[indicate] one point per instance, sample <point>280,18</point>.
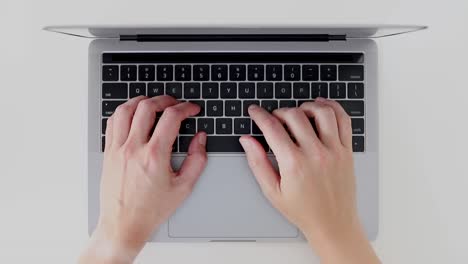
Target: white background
<point>423,122</point>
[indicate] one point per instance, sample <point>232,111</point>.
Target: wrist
<point>346,245</point>
<point>104,249</point>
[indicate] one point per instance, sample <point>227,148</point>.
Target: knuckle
<point>122,109</point>
<point>172,112</point>
<point>327,110</point>
<point>146,105</point>
<point>306,105</point>
<point>295,111</point>
<point>128,150</point>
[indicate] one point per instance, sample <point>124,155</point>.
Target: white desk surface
<point>423,103</point>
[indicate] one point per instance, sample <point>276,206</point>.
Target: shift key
<point>353,108</point>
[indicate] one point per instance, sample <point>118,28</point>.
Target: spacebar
<point>227,144</point>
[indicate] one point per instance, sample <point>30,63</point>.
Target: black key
<point>262,142</point>
<point>137,89</point>
<point>314,126</point>
<point>201,72</point>
<point>191,90</point>
<point>355,90</point>
<point>274,72</point>
<point>174,146</point>
<point>269,105</point>
<point>165,72</point>
<point>301,90</point>
<point>224,126</point>
<point>227,144</point>
<point>242,126</point>
<point>255,129</point>
<point>220,144</point>
<point>300,102</point>
<point>184,143</point>
<point>265,90</point>
<point>214,108</point>
<point>110,73</point>
<point>283,90</point>
<point>146,73</point>
<point>108,107</point>
<point>205,124</point>
<point>187,127</point>
<point>114,90</point>
<point>201,103</point>
<point>351,72</point>
<point>328,72</point>
<point>358,144</point>
<point>287,103</point>
<point>353,108</point>
<point>319,90</point>
<point>183,73</point>
<point>174,90</point>
<point>155,89</point>
<point>219,72</point>
<point>232,108</point>
<point>237,72</point>
<point>128,72</point>
<point>103,125</point>
<point>338,90</point>
<point>247,90</point>
<point>210,90</point>
<point>310,72</point>
<point>229,90</point>
<point>103,143</point>
<point>256,72</point>
<point>358,125</point>
<point>246,105</point>
<point>292,72</point>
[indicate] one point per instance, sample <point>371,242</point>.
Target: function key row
<point>234,72</point>
<point>242,90</point>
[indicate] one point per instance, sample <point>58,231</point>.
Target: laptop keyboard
<point>224,85</point>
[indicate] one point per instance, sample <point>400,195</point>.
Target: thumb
<point>195,162</point>
<point>261,166</point>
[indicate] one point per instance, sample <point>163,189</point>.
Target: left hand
<point>139,189</point>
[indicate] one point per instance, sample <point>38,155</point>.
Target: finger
<point>145,116</point>
<point>195,162</point>
<point>325,120</point>
<point>169,124</point>
<point>123,119</point>
<point>109,128</point>
<point>275,134</point>
<point>261,166</point>
<point>344,122</point>
<point>298,124</point>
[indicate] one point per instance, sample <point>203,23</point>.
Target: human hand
<point>139,189</point>
<point>315,186</point>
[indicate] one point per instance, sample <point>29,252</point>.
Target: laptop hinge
<point>234,38</point>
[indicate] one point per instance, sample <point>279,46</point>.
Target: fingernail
<point>202,139</point>
<point>320,99</point>
<point>253,107</point>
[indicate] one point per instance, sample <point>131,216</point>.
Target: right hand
<point>315,186</point>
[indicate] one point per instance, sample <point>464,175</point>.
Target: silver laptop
<point>224,70</point>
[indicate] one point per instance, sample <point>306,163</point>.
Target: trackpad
<point>227,203</point>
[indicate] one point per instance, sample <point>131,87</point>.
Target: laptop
<point>224,70</point>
